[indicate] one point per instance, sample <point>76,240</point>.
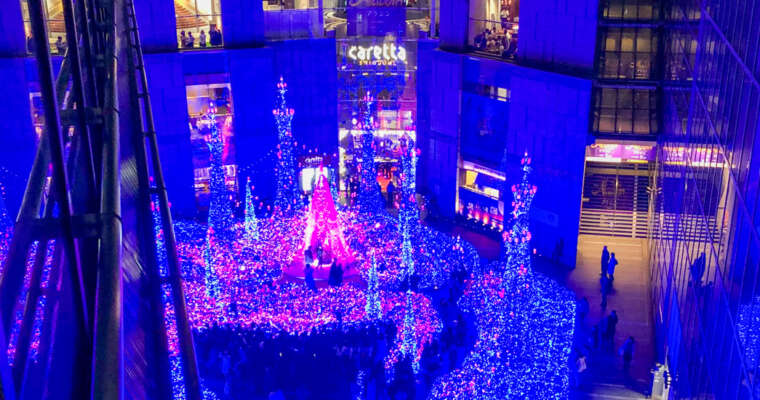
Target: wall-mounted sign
<point>376,3</point>
<point>387,54</point>
<point>612,152</point>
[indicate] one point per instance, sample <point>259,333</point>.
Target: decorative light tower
<point>368,198</point>
<point>219,211</point>
<point>373,307</point>
<point>251,223</point>
<point>288,196</point>
<point>408,212</point>
<point>517,239</point>
<point>409,344</point>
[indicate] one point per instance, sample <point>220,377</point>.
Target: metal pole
<point>60,178</point>
<point>13,273</point>
<point>107,381</point>
<point>185,336</point>
<point>78,89</point>
<point>148,247</point>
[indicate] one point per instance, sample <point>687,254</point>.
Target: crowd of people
<point>499,40</point>
<point>188,41</point>
<point>59,45</point>
<point>336,361</point>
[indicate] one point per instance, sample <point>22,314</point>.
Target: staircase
<point>615,200</point>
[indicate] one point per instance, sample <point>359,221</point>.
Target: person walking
<point>611,267</point>
<point>605,261</point>
<point>626,351</point>
<point>612,321</point>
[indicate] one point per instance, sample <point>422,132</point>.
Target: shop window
<point>199,23</point>
<point>480,195</point>
<point>628,53</point>
<point>279,5</point>
<point>53,12</point>
<point>494,26</point>
<point>199,99</point>
<point>625,111</point>
<point>638,10</point>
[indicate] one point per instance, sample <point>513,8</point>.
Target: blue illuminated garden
<point>314,297</point>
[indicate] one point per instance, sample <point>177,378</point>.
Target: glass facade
<point>199,23</point>
<point>627,69</point>
<point>705,246</point>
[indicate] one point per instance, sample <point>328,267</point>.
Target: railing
<point>496,37</point>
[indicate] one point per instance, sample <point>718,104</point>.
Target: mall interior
<point>380,199</point>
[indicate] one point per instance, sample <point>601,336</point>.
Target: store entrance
<point>615,199</point>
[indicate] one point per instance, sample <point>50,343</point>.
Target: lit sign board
<point>387,54</point>
<point>376,3</point>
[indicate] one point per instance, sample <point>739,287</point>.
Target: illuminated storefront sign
<point>387,54</point>
<point>376,3</point>
<point>612,152</point>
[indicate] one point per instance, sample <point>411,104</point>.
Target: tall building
<point>704,235</point>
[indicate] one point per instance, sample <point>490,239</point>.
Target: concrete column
<point>453,25</point>
<point>439,157</point>
<point>158,25</point>
<point>242,23</point>
<point>169,100</point>
<point>12,37</point>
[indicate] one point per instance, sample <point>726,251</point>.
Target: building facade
<point>705,251</point>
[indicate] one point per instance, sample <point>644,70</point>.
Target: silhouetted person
<point>308,273</point>
<point>183,39</point>
<point>605,260</point>
<point>583,308</point>
<point>558,249</point>
<point>611,267</point>
<point>391,189</point>
<point>612,321</point>
<point>30,47</point>
<point>626,351</point>
<point>202,39</point>
<point>190,40</point>
<point>698,269</point>
<point>60,46</point>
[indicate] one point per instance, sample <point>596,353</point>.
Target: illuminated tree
<point>288,196</point>
<point>408,212</point>
<point>525,323</point>
<point>517,239</point>
<point>5,220</point>
<point>251,223</point>
<point>368,198</point>
<point>748,330</point>
<point>220,210</point>
<point>373,307</point>
<point>409,344</point>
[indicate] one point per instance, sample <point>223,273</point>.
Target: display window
<point>56,28</point>
<point>479,195</point>
<point>199,23</point>
<point>494,26</point>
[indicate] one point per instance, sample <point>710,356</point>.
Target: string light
<point>288,196</point>
<point>251,223</point>
<point>525,323</point>
<point>368,198</point>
